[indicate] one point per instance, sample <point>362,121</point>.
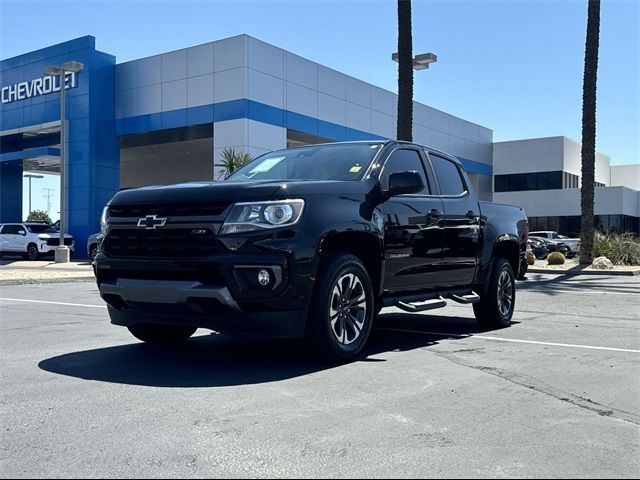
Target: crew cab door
<point>413,226</point>
<point>462,223</point>
<point>11,239</point>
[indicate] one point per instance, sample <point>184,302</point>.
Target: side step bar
<point>421,306</point>
<point>472,297</point>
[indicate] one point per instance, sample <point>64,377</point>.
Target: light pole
<point>62,254</point>
<point>30,176</point>
<point>420,62</point>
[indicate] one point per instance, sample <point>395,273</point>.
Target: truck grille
<point>165,243</point>
<point>54,242</point>
<point>183,210</point>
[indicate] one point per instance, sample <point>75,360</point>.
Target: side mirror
<point>22,232</point>
<point>404,182</point>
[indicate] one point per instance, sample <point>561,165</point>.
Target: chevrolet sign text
<point>37,86</point>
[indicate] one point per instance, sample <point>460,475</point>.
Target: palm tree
<point>589,132</point>
<point>405,72</point>
<point>232,161</point>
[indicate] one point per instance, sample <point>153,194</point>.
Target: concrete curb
<point>36,281</point>
<point>572,272</point>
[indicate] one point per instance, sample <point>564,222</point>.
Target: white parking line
<point>51,303</point>
<point>484,337</point>
<point>511,340</point>
<point>575,291</point>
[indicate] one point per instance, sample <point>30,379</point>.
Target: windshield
<point>41,229</point>
<point>340,161</point>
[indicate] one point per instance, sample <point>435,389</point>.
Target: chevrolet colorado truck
<point>309,242</point>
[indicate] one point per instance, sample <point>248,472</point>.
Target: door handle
<point>434,213</point>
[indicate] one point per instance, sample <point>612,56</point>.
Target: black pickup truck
<point>309,242</point>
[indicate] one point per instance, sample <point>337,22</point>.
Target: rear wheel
<point>496,307</point>
<point>32,252</point>
<point>161,334</point>
<point>93,251</point>
<point>342,308</point>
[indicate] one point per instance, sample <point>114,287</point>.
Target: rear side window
<point>11,229</point>
<point>404,160</point>
<point>449,177</point>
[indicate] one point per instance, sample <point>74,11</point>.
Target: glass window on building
<point>518,182</point>
<point>164,157</point>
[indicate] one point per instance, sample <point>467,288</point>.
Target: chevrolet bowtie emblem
<point>151,222</point>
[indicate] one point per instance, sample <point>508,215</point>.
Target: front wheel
<point>497,305</point>
<point>32,252</point>
<point>161,334</point>
<point>342,308</point>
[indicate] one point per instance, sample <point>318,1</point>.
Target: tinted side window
<point>404,161</point>
<point>11,229</point>
<point>448,176</point>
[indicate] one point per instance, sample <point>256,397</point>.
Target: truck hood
<point>230,192</point>
<point>205,192</point>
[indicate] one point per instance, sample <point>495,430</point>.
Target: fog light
<point>263,278</point>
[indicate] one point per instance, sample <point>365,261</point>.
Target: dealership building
<point>168,118</point>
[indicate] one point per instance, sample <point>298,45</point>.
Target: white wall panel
<point>149,71</point>
<point>230,53</point>
<point>149,99</point>
<point>265,58</point>
<point>265,88</point>
<point>358,117</point>
<point>174,95</point>
<point>200,60</point>
<point>127,103</point>
<point>358,92</point>
<point>382,100</point>
<point>200,90</point>
<point>302,100</point>
<point>301,71</point>
<point>332,82</point>
<point>174,65</point>
<point>126,76</point>
<point>383,124</point>
<point>229,85</point>
<point>265,136</point>
<point>332,109</point>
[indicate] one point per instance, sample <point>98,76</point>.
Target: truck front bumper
<point>221,293</point>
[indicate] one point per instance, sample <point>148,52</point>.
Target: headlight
<point>103,221</point>
<point>251,216</point>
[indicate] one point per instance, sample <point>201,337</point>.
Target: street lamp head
<point>72,66</point>
<point>51,70</point>
<point>420,62</point>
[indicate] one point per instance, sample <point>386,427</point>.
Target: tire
<point>93,251</point>
<point>496,307</point>
<point>161,334</point>
<point>338,326</point>
<point>32,252</point>
<point>524,266</point>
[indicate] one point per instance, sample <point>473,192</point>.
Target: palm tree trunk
<point>589,132</point>
<point>405,72</point>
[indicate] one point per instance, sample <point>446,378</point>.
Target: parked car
<point>31,239</point>
<point>553,246</point>
<point>538,248</point>
<point>309,242</point>
<point>92,246</point>
<point>573,244</point>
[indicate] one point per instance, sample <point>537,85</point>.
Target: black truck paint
<point>164,268</point>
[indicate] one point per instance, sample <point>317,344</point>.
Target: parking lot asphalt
<point>555,395</point>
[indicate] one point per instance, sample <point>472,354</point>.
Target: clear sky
<point>513,66</point>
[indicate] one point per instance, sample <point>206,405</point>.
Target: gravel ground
<point>43,271</point>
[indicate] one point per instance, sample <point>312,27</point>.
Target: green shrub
<point>39,216</point>
<point>621,249</point>
<point>531,258</point>
<point>555,258</point>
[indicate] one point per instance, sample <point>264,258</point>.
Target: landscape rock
<point>602,263</point>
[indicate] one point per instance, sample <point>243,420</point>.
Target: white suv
<point>31,239</point>
<point>572,243</point>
